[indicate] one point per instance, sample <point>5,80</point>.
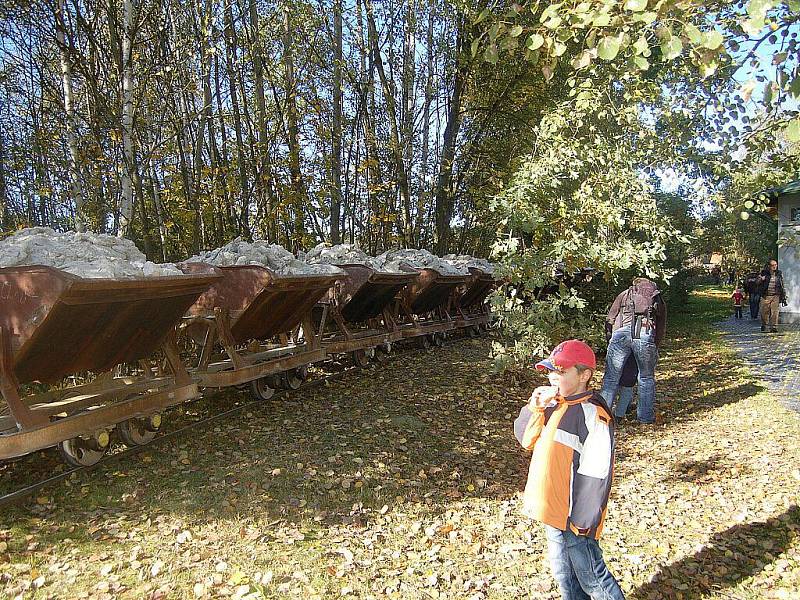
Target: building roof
<point>773,194</point>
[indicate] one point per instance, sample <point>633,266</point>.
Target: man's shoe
<point>763,328</point>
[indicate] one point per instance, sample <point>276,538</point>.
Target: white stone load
<point>340,254</point>
<point>465,260</point>
<point>261,253</point>
<point>393,260</point>
<point>89,255</point>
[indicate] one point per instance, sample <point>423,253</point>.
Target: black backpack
<point>641,305</point>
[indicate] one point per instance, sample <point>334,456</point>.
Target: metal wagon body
<point>470,302</point>
<point>54,324</point>
<point>425,306</point>
<point>360,308</point>
<point>252,324</point>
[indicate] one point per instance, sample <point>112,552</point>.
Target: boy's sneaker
<point>774,330</point>
<point>763,328</point>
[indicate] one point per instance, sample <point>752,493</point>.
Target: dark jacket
<point>780,290</point>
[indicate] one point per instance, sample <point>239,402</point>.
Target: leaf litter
<point>403,482</point>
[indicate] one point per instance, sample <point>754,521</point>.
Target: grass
<point>403,482</point>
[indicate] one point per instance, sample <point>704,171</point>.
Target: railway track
<point>28,490</point>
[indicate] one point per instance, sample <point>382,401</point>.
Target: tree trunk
<point>423,191</point>
<point>76,186</point>
<point>409,69</point>
<point>205,113</point>
<point>244,187</point>
<point>388,92</point>
<point>444,189</point>
<point>297,186</point>
<point>128,152</point>
<point>162,227</point>
<point>5,213</point>
<point>336,137</point>
<point>264,179</point>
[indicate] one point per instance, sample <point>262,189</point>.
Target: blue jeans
<point>624,400</point>
<point>578,567</point>
<point>646,355</point>
<point>755,302</point>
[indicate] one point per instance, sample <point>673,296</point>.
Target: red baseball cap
<point>568,354</point>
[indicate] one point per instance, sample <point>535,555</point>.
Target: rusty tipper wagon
<point>426,304</point>
<point>255,326</point>
<point>360,307</point>
<point>54,324</point>
<point>470,301</point>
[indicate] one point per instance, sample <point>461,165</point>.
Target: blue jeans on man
<point>646,354</point>
<point>578,567</point>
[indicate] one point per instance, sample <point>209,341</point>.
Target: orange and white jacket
<point>569,479</point>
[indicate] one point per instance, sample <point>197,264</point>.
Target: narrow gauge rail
<point>28,490</point>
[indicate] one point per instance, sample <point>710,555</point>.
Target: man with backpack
<point>637,320</point>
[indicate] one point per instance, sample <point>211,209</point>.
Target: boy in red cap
<point>571,432</point>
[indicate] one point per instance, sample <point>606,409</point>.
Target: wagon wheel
<point>424,342</point>
<point>382,352</point>
<point>474,331</point>
<point>438,339</point>
<point>362,357</point>
<point>262,389</point>
<point>294,378</point>
<point>84,451</point>
<point>139,431</point>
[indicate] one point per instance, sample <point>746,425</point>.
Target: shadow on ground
<point>730,557</point>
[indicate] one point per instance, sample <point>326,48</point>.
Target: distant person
<point>738,297</point>
<point>637,320</point>
<point>570,429</point>
<point>772,292</point>
<point>752,286</point>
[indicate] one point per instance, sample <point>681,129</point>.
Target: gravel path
<point>773,357</point>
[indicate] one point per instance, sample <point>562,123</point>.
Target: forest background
<point>578,143</point>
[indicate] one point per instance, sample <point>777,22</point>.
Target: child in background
<point>738,296</point>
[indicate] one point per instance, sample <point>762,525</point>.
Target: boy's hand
<point>542,395</point>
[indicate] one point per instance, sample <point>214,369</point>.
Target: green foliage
<point>578,204</point>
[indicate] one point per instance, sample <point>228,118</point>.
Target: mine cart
<point>470,301</point>
<point>254,327</point>
<point>425,306</point>
<point>358,312</point>
<point>101,332</point>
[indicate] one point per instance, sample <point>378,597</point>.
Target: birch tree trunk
<point>409,64</point>
<point>423,191</point>
<point>126,202</point>
<point>336,135</point>
<point>76,186</point>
